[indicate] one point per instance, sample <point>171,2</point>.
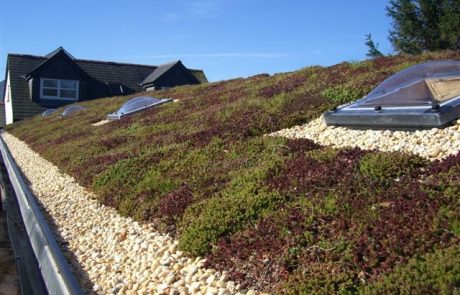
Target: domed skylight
<point>48,112</point>
<point>137,104</point>
<point>421,84</point>
<point>72,109</point>
<point>422,96</point>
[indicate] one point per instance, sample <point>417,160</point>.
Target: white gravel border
<point>112,254</point>
<point>431,144</point>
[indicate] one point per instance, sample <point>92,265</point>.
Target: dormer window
<point>59,89</point>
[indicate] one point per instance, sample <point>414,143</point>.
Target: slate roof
<point>129,75</point>
<point>58,53</point>
<point>164,68</point>
<point>199,74</point>
<point>159,71</point>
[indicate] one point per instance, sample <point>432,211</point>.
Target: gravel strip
<point>111,253</point>
<point>431,144</point>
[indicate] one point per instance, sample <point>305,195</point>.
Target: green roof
<point>285,215</point>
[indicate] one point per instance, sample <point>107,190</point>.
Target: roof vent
<point>72,109</point>
<point>48,112</point>
<point>137,104</point>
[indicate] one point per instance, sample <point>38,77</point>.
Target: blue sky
<point>226,38</point>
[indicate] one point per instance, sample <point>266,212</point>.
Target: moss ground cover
<point>287,216</point>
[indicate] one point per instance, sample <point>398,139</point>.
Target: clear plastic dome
<point>137,104</point>
<point>423,84</point>
<point>72,109</point>
<point>48,112</point>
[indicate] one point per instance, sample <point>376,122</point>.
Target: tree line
<point>421,25</point>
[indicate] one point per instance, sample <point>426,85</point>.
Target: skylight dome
<point>135,105</point>
<point>48,112</point>
<point>422,96</point>
<point>72,109</point>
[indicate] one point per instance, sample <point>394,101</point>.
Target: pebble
<point>210,279</point>
<point>100,123</point>
<point>430,143</point>
<point>110,253</point>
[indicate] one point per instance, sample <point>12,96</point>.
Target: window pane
<point>49,92</point>
<point>68,93</point>
<point>72,84</point>
<point>50,83</point>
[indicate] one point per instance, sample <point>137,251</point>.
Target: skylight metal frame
<point>396,118</point>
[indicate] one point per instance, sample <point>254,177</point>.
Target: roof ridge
<point>105,62</point>
<point>170,63</point>
<point>114,62</point>
<point>26,55</point>
<point>84,60</point>
<point>160,71</point>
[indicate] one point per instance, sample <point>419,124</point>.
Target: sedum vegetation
<point>286,216</point>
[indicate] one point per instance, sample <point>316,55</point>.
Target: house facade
<point>35,83</point>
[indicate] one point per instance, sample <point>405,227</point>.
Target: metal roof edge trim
<point>55,270</point>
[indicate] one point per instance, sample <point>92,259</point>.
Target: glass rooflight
<point>137,104</point>
<point>422,96</point>
<point>422,84</point>
<point>48,112</point>
<point>72,109</point>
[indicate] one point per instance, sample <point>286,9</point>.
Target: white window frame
<point>58,88</point>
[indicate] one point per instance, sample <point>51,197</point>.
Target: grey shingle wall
<point>19,66</point>
<point>2,115</point>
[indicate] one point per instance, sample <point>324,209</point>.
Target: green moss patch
<point>384,166</point>
<point>433,273</point>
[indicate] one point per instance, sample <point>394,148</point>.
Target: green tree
<point>372,52</point>
<point>420,25</point>
<point>449,22</point>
